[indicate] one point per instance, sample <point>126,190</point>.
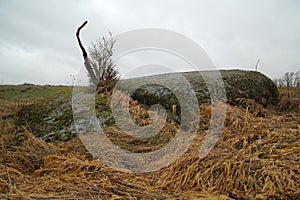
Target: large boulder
<point>237,84</point>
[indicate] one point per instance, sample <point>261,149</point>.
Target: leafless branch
<point>85,56</point>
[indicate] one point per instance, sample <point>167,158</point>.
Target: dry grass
<point>257,157</point>
<point>289,99</point>
<point>254,156</point>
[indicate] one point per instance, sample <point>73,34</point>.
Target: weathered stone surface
<point>237,84</point>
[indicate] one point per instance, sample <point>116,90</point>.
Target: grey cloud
<point>38,41</point>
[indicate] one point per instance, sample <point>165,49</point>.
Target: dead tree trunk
<point>85,56</point>
<point>257,64</point>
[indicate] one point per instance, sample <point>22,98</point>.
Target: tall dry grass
<point>257,157</point>
<point>289,99</point>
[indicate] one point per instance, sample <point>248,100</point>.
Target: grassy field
<point>257,156</point>
<point>17,92</point>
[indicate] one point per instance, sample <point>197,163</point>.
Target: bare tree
<point>287,79</point>
<point>102,72</point>
<point>290,79</point>
<point>101,60</point>
<point>296,81</point>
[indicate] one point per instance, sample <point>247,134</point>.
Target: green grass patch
<point>16,92</point>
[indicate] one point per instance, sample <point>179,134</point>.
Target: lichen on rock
<point>237,84</point>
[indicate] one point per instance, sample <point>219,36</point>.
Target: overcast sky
<point>38,44</point>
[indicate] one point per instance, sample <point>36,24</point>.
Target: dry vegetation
<point>290,99</point>
<point>257,157</point>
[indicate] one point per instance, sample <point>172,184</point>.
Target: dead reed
<point>257,157</point>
